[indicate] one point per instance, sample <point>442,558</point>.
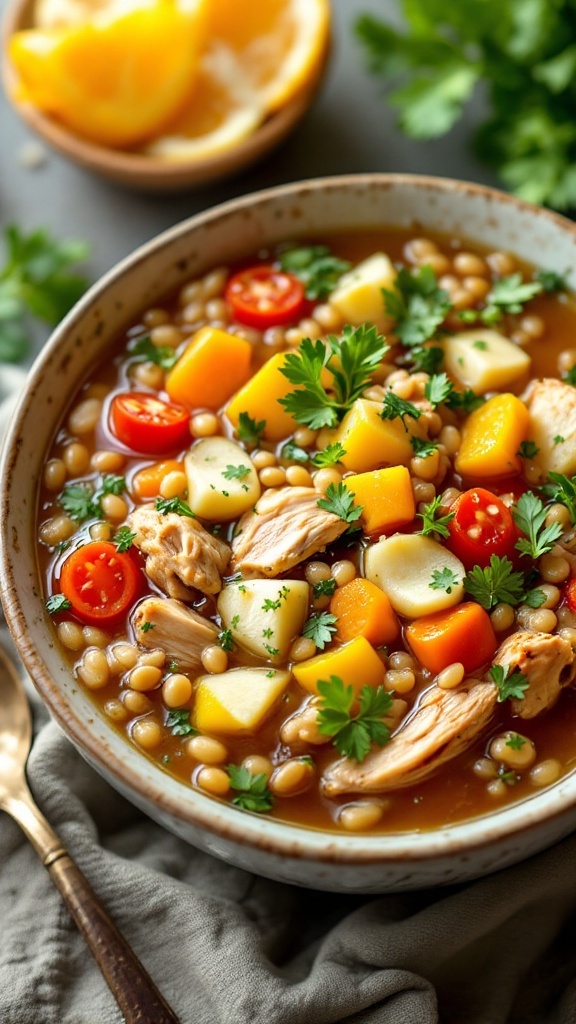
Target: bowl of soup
<point>288,514</point>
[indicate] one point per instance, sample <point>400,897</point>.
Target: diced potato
<point>222,482</point>
<point>386,496</point>
<point>358,297</point>
<point>491,437</point>
<point>237,701</point>
<point>404,566</point>
<point>370,441</point>
<point>484,360</point>
<point>552,408</point>
<point>356,663</point>
<point>265,616</point>
<point>259,398</point>
<point>211,368</point>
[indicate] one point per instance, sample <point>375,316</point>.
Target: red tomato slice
<point>263,296</point>
<point>100,582</point>
<point>482,526</point>
<point>570,592</point>
<point>147,424</point>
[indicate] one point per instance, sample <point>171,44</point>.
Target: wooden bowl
<point>136,170</point>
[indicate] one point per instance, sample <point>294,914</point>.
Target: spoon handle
<point>130,984</point>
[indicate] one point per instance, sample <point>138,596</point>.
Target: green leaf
<point>428,359</point>
<point>252,790</point>
<point>562,489</point>
<point>515,741</point>
<point>178,721</point>
<point>465,401</point>
<point>330,455</point>
<point>417,304</point>
<point>57,603</point>
<point>552,281</point>
<point>167,505</point>
<point>529,515</point>
<point>508,295</point>
<point>293,451</point>
<point>528,450</point>
<point>161,355</point>
<point>394,407</point>
<point>112,485</point>
<point>422,448</point>
<point>324,588</point>
<point>80,503</point>
<point>316,267</point>
<point>437,389</point>
<point>353,735</point>
<point>444,579</point>
<point>340,501</point>
<point>432,523</point>
<point>496,583</point>
<point>236,472</point>
<point>249,430</point>
<point>124,538</point>
<point>510,686</point>
<point>320,628</point>
<point>430,107</point>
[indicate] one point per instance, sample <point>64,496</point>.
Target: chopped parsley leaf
<point>433,524</point>
<point>250,431</point>
<point>252,790</point>
<point>293,451</point>
<point>551,281</point>
<point>80,503</point>
<point>417,304</point>
<point>528,450</point>
<point>464,401</point>
<point>225,640</point>
<point>563,490</point>
<point>178,721</point>
<point>558,439</point>
<point>394,406</point>
<point>500,583</point>
<point>422,448</point>
<point>316,267</point>
<point>508,685</point>
<point>437,389</point>
<point>320,628</point>
<point>529,515</point>
<point>515,741</point>
<point>145,627</point>
<point>329,455</point>
<point>124,538</point>
<point>428,359</point>
<point>340,501</point>
<point>235,472</point>
<point>324,588</point>
<point>57,603</point>
<point>181,508</point>
<point>161,355</point>
<point>352,735</point>
<point>444,579</point>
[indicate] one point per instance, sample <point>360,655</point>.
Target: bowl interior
<point>139,170</point>
<point>299,211</point>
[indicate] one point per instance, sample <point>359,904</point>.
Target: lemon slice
<point>258,56</point>
<point>118,77</point>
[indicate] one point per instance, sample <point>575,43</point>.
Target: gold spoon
<point>131,985</point>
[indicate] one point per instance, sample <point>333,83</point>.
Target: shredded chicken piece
<point>548,661</point>
<point>180,553</point>
<point>179,631</point>
<point>285,528</point>
<point>445,723</point>
<point>552,408</point>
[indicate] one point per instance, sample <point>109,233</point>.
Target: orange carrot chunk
<point>146,482</point>
<point>463,634</point>
<point>362,609</point>
<point>212,367</point>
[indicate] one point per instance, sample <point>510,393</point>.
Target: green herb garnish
<point>394,407</point>
<point>161,355</point>
<point>444,579</point>
<point>320,628</point>
<point>250,431</point>
<point>330,455</point>
<point>252,790</point>
<point>432,523</point>
<point>316,267</point>
<point>167,505</point>
<point>353,735</point>
<point>438,388</point>
<point>225,640</point>
<point>57,603</point>
<point>178,721</point>
<point>80,503</point>
<point>563,490</point>
<point>417,304</point>
<point>124,538</point>
<point>324,588</point>
<point>500,583</point>
<point>529,515</point>
<point>236,472</point>
<point>528,450</point>
<point>340,501</point>
<point>510,686</point>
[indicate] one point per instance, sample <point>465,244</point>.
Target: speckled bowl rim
<point>191,807</point>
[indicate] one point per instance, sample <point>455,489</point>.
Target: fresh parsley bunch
<point>524,53</point>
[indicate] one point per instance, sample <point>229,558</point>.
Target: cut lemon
<point>258,56</point>
<point>117,78</point>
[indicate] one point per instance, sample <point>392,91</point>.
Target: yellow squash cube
<point>491,437</point>
<point>259,398</point>
<point>237,701</point>
<point>386,496</point>
<point>356,663</point>
<point>370,441</point>
<point>211,368</point>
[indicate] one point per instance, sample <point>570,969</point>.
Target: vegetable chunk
<point>484,359</point>
<point>370,441</point>
<point>386,498</point>
<point>461,634</point>
<point>552,409</point>
<point>363,609</point>
<point>356,664</point>
<point>211,368</point>
<point>491,438</point>
<point>264,616</point>
<point>222,481</point>
<point>358,297</point>
<point>418,574</point>
<point>237,701</point>
<point>259,398</point>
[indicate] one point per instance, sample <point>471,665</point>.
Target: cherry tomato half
<point>100,582</point>
<point>147,424</point>
<point>482,526</point>
<point>263,296</point>
<point>570,592</point>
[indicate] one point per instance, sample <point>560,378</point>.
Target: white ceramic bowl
<point>339,862</point>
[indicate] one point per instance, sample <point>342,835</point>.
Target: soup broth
<point>374,625</point>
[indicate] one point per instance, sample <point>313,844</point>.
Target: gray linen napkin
<point>226,947</point>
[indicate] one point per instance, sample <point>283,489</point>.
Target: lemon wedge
<point>117,77</point>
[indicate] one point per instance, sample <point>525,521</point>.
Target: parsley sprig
<point>161,355</point>
<point>329,455</point>
<point>417,304</point>
<point>57,603</point>
<point>431,523</point>
<point>178,721</point>
<point>250,430</point>
<point>36,280</point>
<point>444,579</point>
<point>124,538</point>
<point>316,267</point>
<point>509,684</point>
<point>500,583</point>
<point>177,505</point>
<point>235,472</point>
<point>320,628</point>
<point>394,407</point>
<point>563,490</point>
<point>353,734</point>
<point>350,360</point>
<point>340,501</point>
<point>252,793</point>
<point>508,295</point>
<point>529,514</point>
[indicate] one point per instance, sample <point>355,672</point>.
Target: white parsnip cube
<point>358,297</point>
<point>222,481</point>
<point>237,701</point>
<point>484,360</point>
<point>265,616</point>
<point>406,567</point>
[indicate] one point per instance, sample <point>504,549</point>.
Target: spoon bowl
<point>131,985</point>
